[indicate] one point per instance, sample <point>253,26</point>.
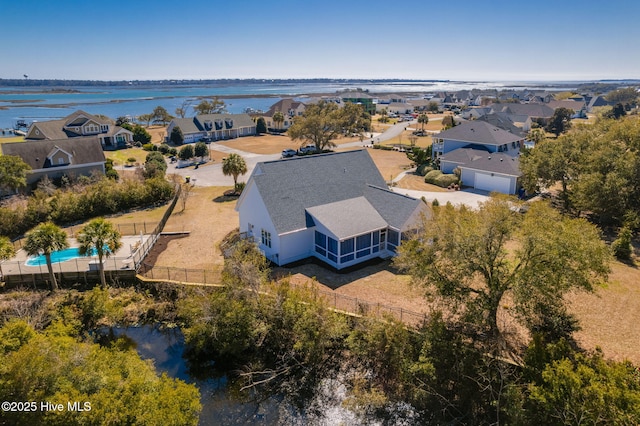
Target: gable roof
<point>505,122</point>
<point>291,188</point>
<point>479,132</point>
<point>495,162</point>
<point>283,105</point>
<point>348,218</point>
<point>82,150</point>
<point>532,110</point>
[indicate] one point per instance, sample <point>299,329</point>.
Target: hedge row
<point>81,202</point>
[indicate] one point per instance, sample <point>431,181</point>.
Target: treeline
<point>274,339</point>
<point>86,198</point>
<point>597,169</point>
<point>51,350</point>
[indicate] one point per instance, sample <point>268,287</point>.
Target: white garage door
<point>492,183</point>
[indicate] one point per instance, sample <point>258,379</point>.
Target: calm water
<point>166,346</point>
<point>31,104</point>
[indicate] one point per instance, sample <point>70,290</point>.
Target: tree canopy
<point>213,106</point>
<point>324,121</point>
<point>120,387</point>
<point>597,166</point>
<point>186,152</point>
<point>560,122</point>
<point>463,256</point>
<point>13,172</point>
<point>176,137</point>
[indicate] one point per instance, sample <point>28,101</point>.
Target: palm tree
<point>101,237</point>
<point>234,165</point>
<point>278,118</point>
<point>423,119</point>
<point>46,238</point>
<point>7,251</point>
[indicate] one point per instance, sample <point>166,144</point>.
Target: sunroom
<point>350,232</point>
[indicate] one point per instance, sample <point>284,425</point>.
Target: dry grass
<point>412,181</point>
<point>609,317</point>
<point>265,144</point>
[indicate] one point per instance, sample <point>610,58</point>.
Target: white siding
<point>296,245</point>
<point>253,211</point>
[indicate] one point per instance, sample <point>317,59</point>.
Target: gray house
<point>80,156</point>
<point>334,207</point>
<point>213,127</point>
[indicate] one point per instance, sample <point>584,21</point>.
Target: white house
<point>290,109</point>
<point>335,207</point>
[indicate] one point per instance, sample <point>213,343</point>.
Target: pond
<point>166,347</point>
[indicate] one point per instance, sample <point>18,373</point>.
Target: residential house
<point>579,107</point>
<point>335,207</point>
<point>540,113</point>
<point>484,170</point>
<point>81,124</point>
<point>79,156</point>
<point>478,136</point>
<point>518,125</point>
<point>361,98</point>
<point>290,108</point>
<point>213,127</point>
<point>399,108</point>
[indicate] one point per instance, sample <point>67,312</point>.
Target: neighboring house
<point>596,101</point>
<point>484,170</point>
<point>80,124</point>
<point>540,113</point>
<point>579,108</point>
<point>82,156</point>
<point>459,145</point>
<point>474,113</point>
<point>290,108</point>
<point>518,125</point>
<point>360,98</point>
<point>335,207</point>
<point>213,127</point>
<point>396,108</point>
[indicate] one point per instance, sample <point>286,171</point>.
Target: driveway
<point>468,197</point>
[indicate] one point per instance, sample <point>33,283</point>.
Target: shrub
<point>150,147</point>
<point>445,180</point>
<point>431,176</point>
<point>164,148</point>
<point>622,248</point>
<point>423,169</point>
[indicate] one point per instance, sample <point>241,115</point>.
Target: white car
<point>288,153</point>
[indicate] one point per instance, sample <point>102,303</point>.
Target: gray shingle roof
<point>84,150</point>
<point>348,218</point>
<point>479,132</point>
<point>291,187</point>
<point>495,162</point>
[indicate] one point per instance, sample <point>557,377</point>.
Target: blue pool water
<point>56,257</point>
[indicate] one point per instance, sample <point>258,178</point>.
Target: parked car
<point>288,153</point>
<point>309,149</point>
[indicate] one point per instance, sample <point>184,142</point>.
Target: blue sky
<point>200,39</point>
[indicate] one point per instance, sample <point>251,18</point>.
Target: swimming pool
<point>56,257</point>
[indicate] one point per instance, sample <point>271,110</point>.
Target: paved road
<point>210,174</point>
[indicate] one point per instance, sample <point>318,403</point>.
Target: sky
<point>480,40</point>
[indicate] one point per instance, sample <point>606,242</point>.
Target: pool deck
<point>123,259</point>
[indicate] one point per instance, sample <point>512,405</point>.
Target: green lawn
<point>121,156</point>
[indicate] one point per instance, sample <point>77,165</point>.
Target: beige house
<point>81,124</point>
<point>290,108</point>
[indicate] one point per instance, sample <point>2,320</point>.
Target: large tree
<point>13,172</point>
<point>560,122</point>
<point>234,165</point>
<point>261,126</point>
<point>176,137</point>
<point>46,238</point>
<point>212,106</point>
<point>320,123</point>
<point>161,115</point>
<point>101,238</point>
<point>181,111</point>
<point>473,259</point>
<point>355,120</point>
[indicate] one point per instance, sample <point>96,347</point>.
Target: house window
<point>266,238</point>
<point>60,161</point>
<point>393,240</point>
<point>332,246</point>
